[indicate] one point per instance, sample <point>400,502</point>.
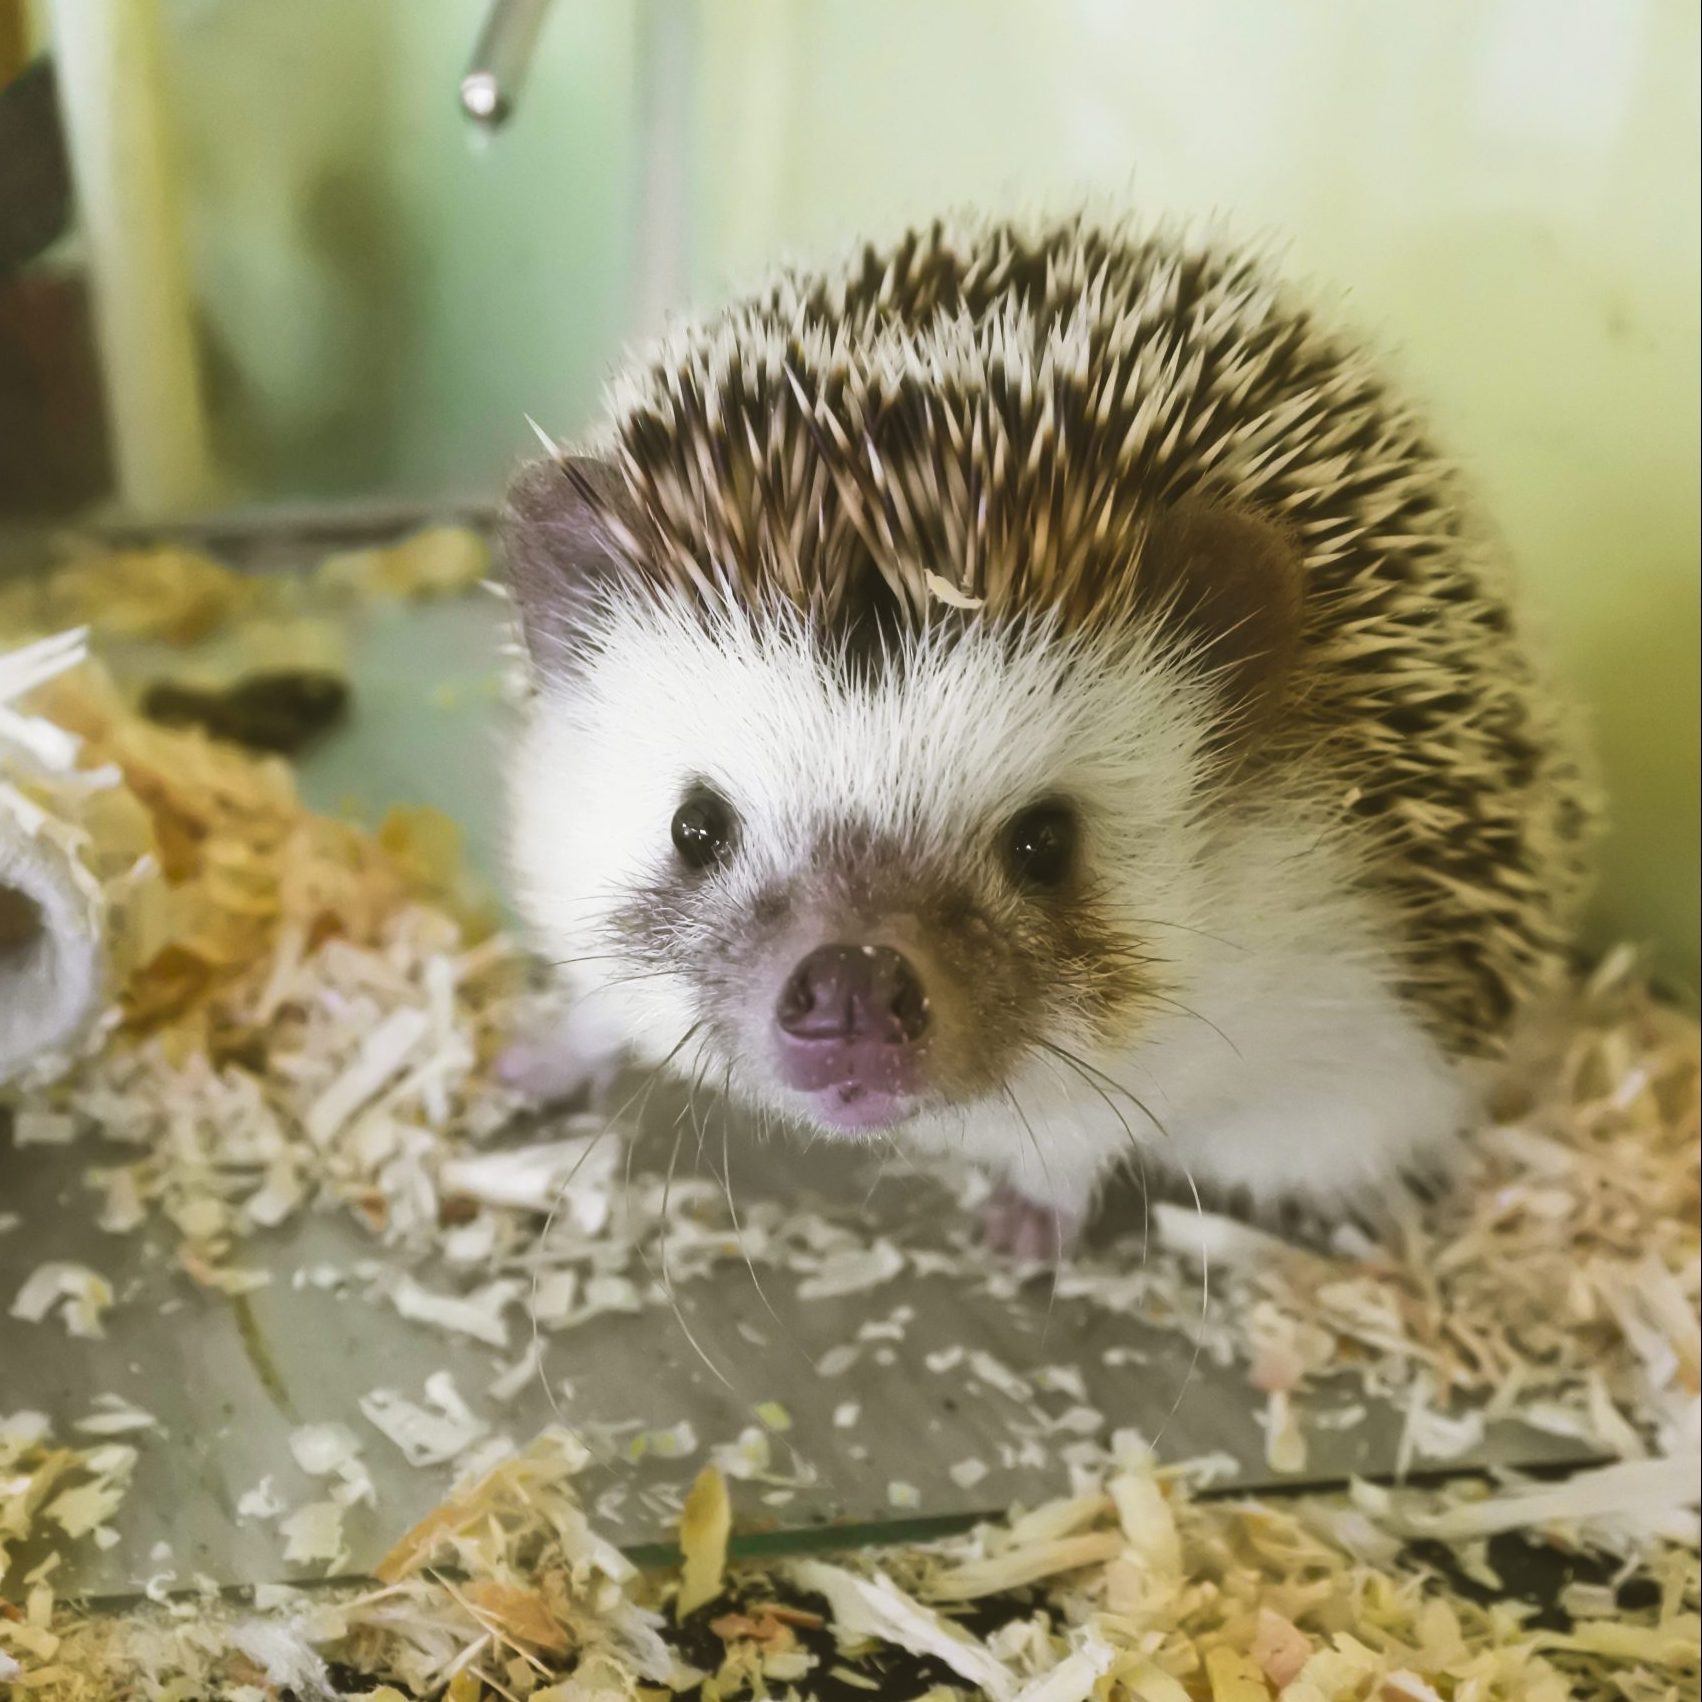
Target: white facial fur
<point>1274,1052</point>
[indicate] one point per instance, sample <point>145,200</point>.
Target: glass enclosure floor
<point>872,1403</point>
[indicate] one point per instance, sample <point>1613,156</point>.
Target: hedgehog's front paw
<point>1025,1230</point>
<point>572,1056</point>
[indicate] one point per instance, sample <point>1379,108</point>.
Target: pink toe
<point>1025,1230</point>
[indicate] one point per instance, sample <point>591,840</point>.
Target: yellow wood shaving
<point>706,1522</point>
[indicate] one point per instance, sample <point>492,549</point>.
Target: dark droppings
<point>278,711</point>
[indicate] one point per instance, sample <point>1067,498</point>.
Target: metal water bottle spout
<point>491,84</point>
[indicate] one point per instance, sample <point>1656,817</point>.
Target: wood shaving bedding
<point>309,1015</point>
<point>1151,1596</point>
<point>309,1011</point>
<point>1557,1282</point>
<point>52,1495</point>
<point>182,596</point>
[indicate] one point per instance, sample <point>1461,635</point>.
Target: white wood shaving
<point>333,1450</point>
<point>942,590</point>
<point>877,1607</point>
<point>553,1297</point>
<point>1659,1497</point>
<point>80,1296</point>
<point>1075,1677</point>
<point>519,1376</point>
<point>1428,1433</point>
<point>672,1442</point>
<point>1285,1441</point>
<point>572,1177</point>
<point>430,1434</point>
<point>966,1473</point>
<point>262,1501</point>
<point>748,1457</point>
<point>997,1375</point>
<point>481,1314</point>
<point>115,1416</point>
<point>313,1536</point>
<point>43,1128</point>
<point>81,1510</point>
<point>382,1054</point>
<point>1077,1421</point>
<point>1062,1379</point>
<point>838,1360</point>
<point>852,1271</point>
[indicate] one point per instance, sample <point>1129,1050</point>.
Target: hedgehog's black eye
<point>704,828</point>
<point>1040,846</point>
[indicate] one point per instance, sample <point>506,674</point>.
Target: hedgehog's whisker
<point>1088,1072</point>
<point>1205,1306</point>
<point>1188,1010</point>
<point>602,895</point>
<point>1093,1071</point>
<point>1185,928</point>
<point>642,1094</point>
<point>699,1125</point>
<point>892,1150</point>
<point>874,1183</point>
<point>632,977</point>
<point>1135,1147</point>
<point>1057,1222</point>
<point>662,1254</point>
<point>1199,1209</point>
<point>739,1233</point>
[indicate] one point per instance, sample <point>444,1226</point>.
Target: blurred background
<point>294,269</point>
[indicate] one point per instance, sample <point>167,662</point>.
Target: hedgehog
<point>1036,696</point>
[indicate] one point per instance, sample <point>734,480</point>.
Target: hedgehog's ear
<point>559,530</point>
<point>1231,581</point>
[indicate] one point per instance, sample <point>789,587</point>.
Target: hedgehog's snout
<point>852,1027</point>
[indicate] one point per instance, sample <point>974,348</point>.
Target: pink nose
<point>851,1026</point>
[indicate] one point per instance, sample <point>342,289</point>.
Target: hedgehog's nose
<point>851,994</point>
<point>851,1030</point>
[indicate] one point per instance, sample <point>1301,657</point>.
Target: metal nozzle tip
<point>482,98</point>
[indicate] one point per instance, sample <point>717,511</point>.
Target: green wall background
<point>1506,190</point>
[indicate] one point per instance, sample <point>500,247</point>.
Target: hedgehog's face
<point>858,895</point>
<point>865,888</point>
